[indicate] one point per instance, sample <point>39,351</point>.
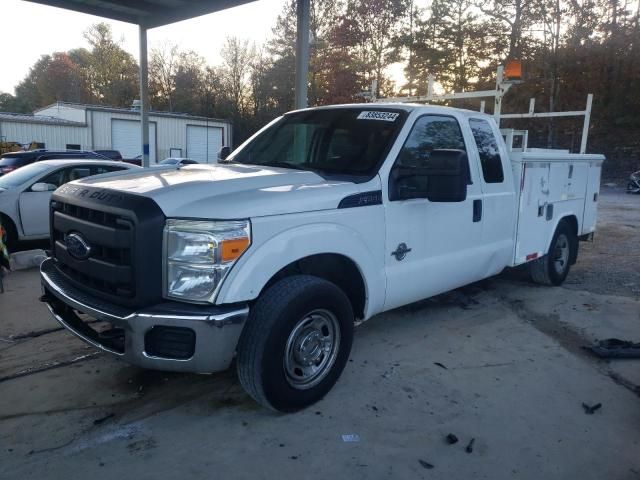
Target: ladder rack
<point>502,87</point>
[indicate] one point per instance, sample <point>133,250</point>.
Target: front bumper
<point>204,337</point>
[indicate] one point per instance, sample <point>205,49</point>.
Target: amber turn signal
<point>232,249</point>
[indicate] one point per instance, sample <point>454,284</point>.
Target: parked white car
<point>26,192</point>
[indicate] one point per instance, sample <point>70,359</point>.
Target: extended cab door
<point>431,246</point>
<point>498,195</point>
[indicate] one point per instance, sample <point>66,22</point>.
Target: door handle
<point>477,210</point>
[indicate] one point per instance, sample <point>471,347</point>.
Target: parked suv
<point>14,160</point>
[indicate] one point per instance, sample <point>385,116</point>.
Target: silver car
<point>25,193</point>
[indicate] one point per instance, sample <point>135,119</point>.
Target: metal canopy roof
<point>147,13</point>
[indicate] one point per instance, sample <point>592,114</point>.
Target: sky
<point>30,30</point>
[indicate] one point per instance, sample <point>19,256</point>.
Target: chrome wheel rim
<point>311,349</point>
<point>561,254</point>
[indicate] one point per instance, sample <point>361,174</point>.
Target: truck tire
<point>295,343</point>
<point>553,268</point>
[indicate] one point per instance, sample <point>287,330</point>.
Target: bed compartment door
<point>532,227</point>
<point>591,199</point>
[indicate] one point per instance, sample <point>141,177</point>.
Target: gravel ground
<point>500,361</point>
<point>611,263</point>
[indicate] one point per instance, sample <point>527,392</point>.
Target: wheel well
<point>335,268</point>
<point>572,222</point>
<point>6,220</point>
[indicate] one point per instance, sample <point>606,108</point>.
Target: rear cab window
<point>488,150</point>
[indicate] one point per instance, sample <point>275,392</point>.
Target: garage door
<point>125,137</point>
<point>204,143</point>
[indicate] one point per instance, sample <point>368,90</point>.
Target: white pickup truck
<point>324,218</point>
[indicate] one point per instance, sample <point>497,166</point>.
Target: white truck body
<point>368,236</point>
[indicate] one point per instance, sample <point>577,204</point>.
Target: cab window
<point>488,150</point>
<point>64,175</point>
<point>98,169</point>
<point>432,163</point>
<point>430,132</point>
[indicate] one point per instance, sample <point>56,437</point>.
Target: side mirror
<point>444,178</point>
<point>43,187</point>
<point>224,153</point>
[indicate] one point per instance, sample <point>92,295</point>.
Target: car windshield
<point>9,161</point>
<point>343,141</point>
<point>169,161</point>
<point>21,175</point>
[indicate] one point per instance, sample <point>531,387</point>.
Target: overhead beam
<point>144,12</point>
<point>88,9</point>
<point>190,10</point>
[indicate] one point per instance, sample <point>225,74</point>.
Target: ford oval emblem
<point>77,246</point>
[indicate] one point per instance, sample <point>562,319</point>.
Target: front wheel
<point>11,239</point>
<point>296,343</point>
<point>553,268</point>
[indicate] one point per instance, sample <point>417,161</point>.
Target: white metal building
<point>90,127</point>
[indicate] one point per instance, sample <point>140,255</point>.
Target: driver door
<point>442,239</point>
<point>34,206</point>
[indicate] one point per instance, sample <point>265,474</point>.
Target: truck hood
<point>229,191</point>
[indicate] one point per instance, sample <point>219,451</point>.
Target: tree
<point>163,66</point>
<point>376,24</point>
<point>112,72</point>
<point>189,81</point>
<point>11,103</point>
<point>237,56</point>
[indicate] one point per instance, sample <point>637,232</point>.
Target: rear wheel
<point>296,343</point>
<point>553,268</point>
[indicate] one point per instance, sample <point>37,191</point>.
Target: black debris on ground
<point>438,364</point>
<point>101,420</point>
<point>451,439</point>
<point>591,409</point>
<point>615,348</point>
<point>469,448</point>
<point>425,464</point>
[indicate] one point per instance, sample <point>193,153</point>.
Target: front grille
<point>109,268</point>
<point>124,233</point>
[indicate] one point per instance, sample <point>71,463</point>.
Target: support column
<point>144,97</point>
<point>302,53</point>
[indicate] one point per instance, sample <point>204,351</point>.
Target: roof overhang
<point>147,13</point>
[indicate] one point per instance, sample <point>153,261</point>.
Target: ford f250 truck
<point>324,218</point>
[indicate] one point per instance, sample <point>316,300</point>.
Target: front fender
<point>265,258</point>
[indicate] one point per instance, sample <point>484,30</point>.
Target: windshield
<point>10,161</point>
<point>18,177</point>
<point>169,161</point>
<point>345,141</point>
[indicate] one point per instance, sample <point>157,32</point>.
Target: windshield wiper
<point>282,165</point>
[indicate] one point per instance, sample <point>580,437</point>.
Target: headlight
<point>198,255</point>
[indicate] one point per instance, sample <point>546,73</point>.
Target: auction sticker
<point>384,116</point>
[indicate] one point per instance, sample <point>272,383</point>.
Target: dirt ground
<point>499,362</point>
